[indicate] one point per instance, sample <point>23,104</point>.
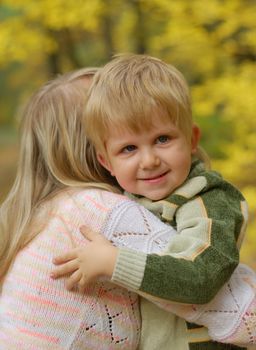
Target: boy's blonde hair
<point>54,154</point>
<point>130,92</point>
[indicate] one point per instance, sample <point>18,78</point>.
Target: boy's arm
<point>127,224</point>
<point>240,287</point>
<point>200,259</point>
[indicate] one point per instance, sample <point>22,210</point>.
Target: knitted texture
<point>37,312</point>
<point>105,316</point>
<point>231,316</point>
<point>222,315</point>
<point>210,216</point>
<point>245,331</point>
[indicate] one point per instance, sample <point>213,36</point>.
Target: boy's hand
<point>86,263</point>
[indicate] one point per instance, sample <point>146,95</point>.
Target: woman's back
<point>37,312</point>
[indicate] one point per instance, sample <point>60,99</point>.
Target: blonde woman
<point>51,197</point>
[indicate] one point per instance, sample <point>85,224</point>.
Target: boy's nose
<point>149,160</point>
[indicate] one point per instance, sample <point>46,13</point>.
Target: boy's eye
<point>162,139</point>
<point>128,149</point>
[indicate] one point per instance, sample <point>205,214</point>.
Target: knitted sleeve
<point>210,216</point>
<point>132,226</point>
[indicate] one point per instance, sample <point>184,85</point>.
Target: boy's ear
<point>195,138</point>
<point>104,162</point>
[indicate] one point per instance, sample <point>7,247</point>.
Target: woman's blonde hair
<point>131,91</point>
<point>54,154</point>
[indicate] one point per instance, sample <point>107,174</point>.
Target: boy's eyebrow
<point>121,142</point>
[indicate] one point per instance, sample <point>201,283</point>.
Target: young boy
<point>146,138</point>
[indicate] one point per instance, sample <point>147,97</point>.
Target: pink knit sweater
<point>37,312</point>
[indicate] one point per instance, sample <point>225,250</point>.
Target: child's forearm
<point>175,278</point>
<point>201,257</point>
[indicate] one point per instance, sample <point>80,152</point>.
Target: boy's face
<point>151,163</point>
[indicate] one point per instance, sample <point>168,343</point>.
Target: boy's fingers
<point>82,284</point>
<point>65,269</point>
<point>73,280</point>
<point>65,257</point>
<point>88,233</point>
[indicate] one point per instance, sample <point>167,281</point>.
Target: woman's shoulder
<point>94,198</point>
<point>80,206</point>
<point>87,197</point>
<point>59,219</point>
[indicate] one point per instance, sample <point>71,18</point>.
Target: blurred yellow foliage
<point>59,13</point>
<point>18,41</point>
<point>213,43</point>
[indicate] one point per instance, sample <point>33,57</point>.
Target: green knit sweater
<point>210,217</point>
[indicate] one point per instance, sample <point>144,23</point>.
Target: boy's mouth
<point>155,178</point>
